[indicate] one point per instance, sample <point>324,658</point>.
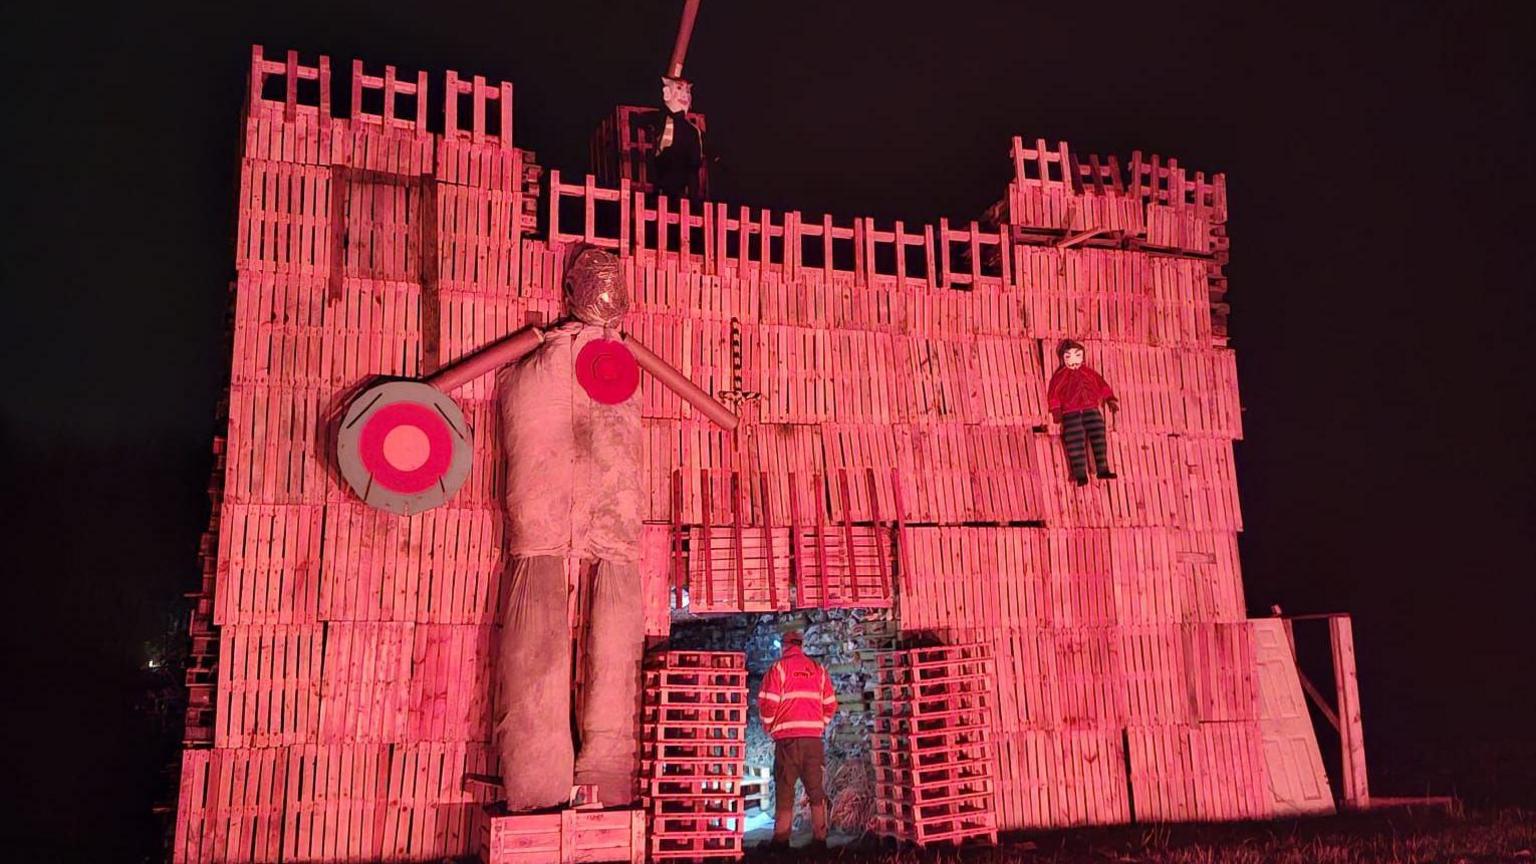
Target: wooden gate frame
<point>1344,714</point>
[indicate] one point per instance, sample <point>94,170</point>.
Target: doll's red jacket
<point>1076,390</point>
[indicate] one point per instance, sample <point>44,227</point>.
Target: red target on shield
<point>403,447</point>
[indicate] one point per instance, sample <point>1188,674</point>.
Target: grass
<point>1398,837</point>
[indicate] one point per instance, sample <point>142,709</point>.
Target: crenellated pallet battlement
<point>1055,197</point>
<point>487,120</point>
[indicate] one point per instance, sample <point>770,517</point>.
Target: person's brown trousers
<point>799,759</point>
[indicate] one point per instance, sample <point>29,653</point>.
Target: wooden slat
<point>1356,791</point>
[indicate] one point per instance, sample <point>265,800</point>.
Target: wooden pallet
<point>754,789</point>
<point>695,714</point>
<point>932,749</point>
<point>566,837</point>
<point>912,789</point>
<point>693,751</point>
<point>700,678</point>
<point>702,772</point>
<point>692,733</point>
<point>955,830</point>
<point>698,846</point>
<point>668,790</point>
<point>923,742</point>
<point>971,759</point>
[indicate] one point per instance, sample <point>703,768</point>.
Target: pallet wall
<point>351,685</point>
<point>891,381</point>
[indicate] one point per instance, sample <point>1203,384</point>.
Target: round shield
<point>607,371</point>
<point>403,447</point>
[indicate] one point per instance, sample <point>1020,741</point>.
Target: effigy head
<point>676,94</point>
<point>595,292</point>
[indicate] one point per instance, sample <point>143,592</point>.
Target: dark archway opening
<point>845,642</point>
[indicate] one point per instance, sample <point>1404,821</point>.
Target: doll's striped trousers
<point>1075,427</point>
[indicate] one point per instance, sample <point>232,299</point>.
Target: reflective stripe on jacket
<point>797,699</point>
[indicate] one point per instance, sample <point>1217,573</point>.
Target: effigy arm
<point>508,349</point>
<point>677,383</point>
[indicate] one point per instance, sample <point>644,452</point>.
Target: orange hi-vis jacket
<point>797,699</point>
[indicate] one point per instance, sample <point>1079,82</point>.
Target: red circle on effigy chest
<point>607,371</point>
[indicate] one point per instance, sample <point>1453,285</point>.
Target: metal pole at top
<point>684,33</point>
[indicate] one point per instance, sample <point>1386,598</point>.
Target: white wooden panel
<point>1297,782</point>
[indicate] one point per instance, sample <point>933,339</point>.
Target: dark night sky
<point>1380,164</point>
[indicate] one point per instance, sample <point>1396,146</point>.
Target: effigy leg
<point>615,645</point>
<point>533,693</point>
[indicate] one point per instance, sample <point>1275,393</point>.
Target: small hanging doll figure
<point>1074,395</point>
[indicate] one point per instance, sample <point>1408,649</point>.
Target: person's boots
<point>818,827</point>
<point>783,826</point>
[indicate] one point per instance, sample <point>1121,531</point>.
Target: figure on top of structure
<point>679,155</point>
<point>679,143</point>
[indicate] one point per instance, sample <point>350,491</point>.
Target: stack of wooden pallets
<point>934,762</point>
<point>621,148</point>
<point>587,836</point>
<point>202,654</point>
<point>693,753</point>
<point>340,686</point>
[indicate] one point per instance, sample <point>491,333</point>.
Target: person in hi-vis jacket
<point>795,703</point>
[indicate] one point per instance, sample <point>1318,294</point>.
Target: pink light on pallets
<point>808,555</point>
<point>567,837</point>
<point>934,761</point>
<point>895,451</point>
<point>693,753</point>
<point>331,802</point>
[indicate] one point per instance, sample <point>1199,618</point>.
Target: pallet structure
<point>895,452</point>
<point>693,753</point>
<point>622,148</point>
<point>567,837</point>
<point>754,790</point>
<point>932,747</point>
<point>820,559</point>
